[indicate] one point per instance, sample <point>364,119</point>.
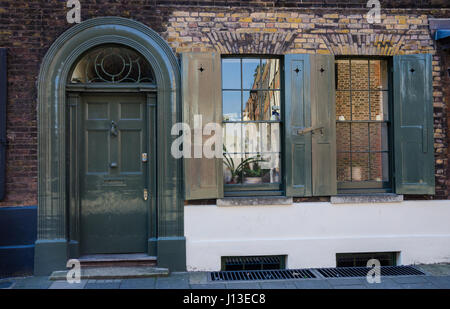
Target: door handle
<point>145,194</point>
<point>113,164</point>
<point>113,129</point>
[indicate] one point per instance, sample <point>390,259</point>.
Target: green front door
<point>113,174</point>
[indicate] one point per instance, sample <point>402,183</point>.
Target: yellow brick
<point>402,21</point>
<point>323,51</point>
<point>294,20</point>
<point>246,20</point>
<point>284,15</point>
<point>401,27</point>
<point>331,16</point>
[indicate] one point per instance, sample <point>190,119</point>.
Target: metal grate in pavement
<point>339,272</point>
<point>253,275</point>
<point>346,272</point>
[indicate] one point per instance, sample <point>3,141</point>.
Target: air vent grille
<point>236,263</point>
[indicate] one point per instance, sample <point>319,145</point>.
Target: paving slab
<point>426,285</point>
<point>139,283</point>
<point>277,285</point>
<point>209,286</point>
<point>351,287</point>
<point>243,285</point>
<point>198,277</point>
<point>103,286</point>
<point>175,281</point>
<point>6,284</point>
<point>346,281</point>
<point>410,279</point>
<point>312,284</point>
<point>440,282</point>
<point>63,285</point>
<point>386,283</point>
<point>33,283</point>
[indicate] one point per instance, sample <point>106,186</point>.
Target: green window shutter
<point>201,94</point>
<point>413,124</point>
<point>297,154</point>
<point>323,119</point>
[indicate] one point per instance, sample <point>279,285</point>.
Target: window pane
<point>251,101</point>
<point>360,74</point>
<point>252,138</point>
<point>231,102</point>
<point>343,105</point>
<point>250,73</point>
<point>254,101</point>
<point>231,73</point>
<point>232,141</point>
<point>270,74</point>
<point>270,101</point>
<point>378,74</point>
<point>231,173</point>
<point>343,74</point>
<point>251,169</point>
<point>378,137</point>
<point>270,137</point>
<point>360,136</point>
<point>270,168</point>
<point>379,105</point>
<point>343,137</point>
<point>343,167</point>
<point>360,105</point>
<point>360,166</point>
<point>379,166</point>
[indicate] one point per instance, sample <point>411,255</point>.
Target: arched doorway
<point>108,92</point>
<point>112,99</point>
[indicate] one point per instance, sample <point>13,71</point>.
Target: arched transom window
<point>112,64</point>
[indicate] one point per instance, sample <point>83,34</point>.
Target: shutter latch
<point>310,129</point>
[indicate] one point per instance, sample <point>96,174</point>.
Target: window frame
<point>372,186</point>
<point>268,189</point>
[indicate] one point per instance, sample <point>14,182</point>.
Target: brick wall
<point>28,28</point>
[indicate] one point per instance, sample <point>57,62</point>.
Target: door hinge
<point>145,194</point>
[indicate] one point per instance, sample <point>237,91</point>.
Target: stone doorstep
<point>114,273</point>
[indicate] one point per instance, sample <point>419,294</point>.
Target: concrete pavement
<point>437,277</point>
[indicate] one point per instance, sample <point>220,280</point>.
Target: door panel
<point>113,176</point>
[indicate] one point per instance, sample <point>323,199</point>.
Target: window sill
<point>254,201</point>
<point>366,198</point>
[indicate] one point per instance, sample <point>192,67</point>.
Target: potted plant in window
<point>252,174</point>
<point>241,169</point>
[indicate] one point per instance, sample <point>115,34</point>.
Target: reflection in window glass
<point>252,116</point>
<point>231,104</point>
<point>231,73</point>
<point>362,122</point>
<point>251,73</point>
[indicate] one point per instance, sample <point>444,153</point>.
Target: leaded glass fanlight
<point>112,64</point>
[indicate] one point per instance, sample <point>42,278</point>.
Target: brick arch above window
<point>251,43</point>
<point>365,44</point>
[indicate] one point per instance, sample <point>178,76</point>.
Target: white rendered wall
<point>311,234</point>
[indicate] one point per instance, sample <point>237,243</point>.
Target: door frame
<point>75,101</point>
<point>54,177</point>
